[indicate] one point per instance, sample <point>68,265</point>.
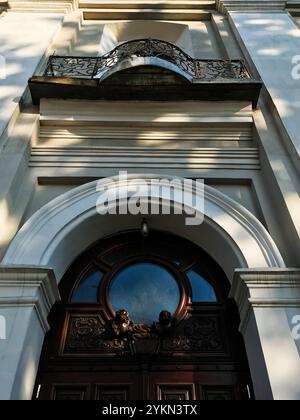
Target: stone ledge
<point>48,6</point>
<point>147,14</point>
<point>265,288</point>
<point>25,286</point>
<point>147,4</point>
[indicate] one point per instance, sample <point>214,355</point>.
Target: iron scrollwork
<point>95,67</point>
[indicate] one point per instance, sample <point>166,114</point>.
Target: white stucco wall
<point>23,40</point>
<point>273,40</point>
<point>198,39</point>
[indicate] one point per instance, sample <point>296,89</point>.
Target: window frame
<point>191,256</point>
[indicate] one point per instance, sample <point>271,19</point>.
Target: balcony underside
<point>145,69</point>
<point>142,84</point>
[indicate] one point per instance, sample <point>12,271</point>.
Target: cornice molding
<point>265,288</point>
<point>293,7</point>
<point>43,6</point>
<point>25,286</point>
<point>225,6</point>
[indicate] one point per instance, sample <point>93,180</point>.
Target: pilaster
<point>268,301</point>
<point>26,297</point>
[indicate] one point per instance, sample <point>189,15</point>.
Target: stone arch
<point>61,230</point>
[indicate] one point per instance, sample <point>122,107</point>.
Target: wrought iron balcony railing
<point>96,67</point>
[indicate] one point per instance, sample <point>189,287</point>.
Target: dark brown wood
<point>201,357</point>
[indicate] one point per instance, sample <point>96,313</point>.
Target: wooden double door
<point>203,358</point>
<point>190,351</point>
<point>146,383</point>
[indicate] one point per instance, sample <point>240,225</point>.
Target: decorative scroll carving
<point>95,67</point>
<point>89,334</point>
<point>142,331</point>
<point>199,334</point>
<point>85,332</point>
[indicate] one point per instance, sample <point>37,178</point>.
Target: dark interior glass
<point>87,290</point>
<point>153,248</point>
<point>144,290</point>
<point>202,290</point>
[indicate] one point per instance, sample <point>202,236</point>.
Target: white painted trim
<point>44,6</point>
<point>267,301</point>
<point>145,157</point>
<point>42,240</point>
<point>272,288</point>
<point>34,287</point>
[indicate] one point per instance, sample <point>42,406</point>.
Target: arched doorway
<point>177,338</point>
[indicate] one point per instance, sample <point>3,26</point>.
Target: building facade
<point>99,98</point>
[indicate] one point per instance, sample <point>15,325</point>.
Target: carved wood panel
<point>115,392</point>
<point>69,392</point>
<point>173,392</point>
<point>88,334</point>
<point>195,355</point>
<point>199,333</point>
<point>217,393</point>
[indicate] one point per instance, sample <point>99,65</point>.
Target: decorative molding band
<point>225,6</point>
<point>184,15</point>
<point>66,112</point>
<point>274,303</point>
<point>145,136</point>
<point>265,288</point>
<point>25,286</point>
<point>146,157</point>
<point>277,277</point>
<point>43,6</point>
<point>147,4</point>
<point>294,8</point>
<point>139,9</point>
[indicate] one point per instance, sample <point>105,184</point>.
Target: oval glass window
<point>144,290</point>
